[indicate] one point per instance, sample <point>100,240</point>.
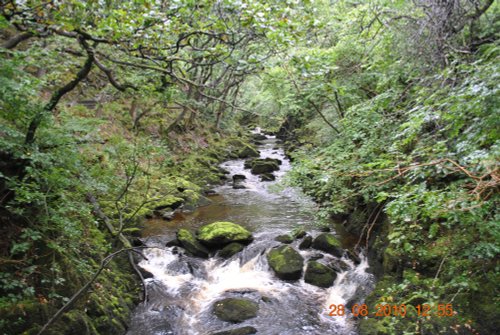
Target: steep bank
<point>54,238</point>
<point>421,191</point>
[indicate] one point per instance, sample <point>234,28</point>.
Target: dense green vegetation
<point>112,110</point>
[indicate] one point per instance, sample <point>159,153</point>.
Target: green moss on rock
<point>319,275</point>
<point>286,262</point>
<point>328,243</point>
<point>231,249</point>
<point>222,233</point>
<point>189,242</point>
<point>235,309</point>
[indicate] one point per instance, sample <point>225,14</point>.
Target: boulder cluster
<point>223,238</point>
<point>288,264</point>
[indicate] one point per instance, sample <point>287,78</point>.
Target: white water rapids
<point>183,289</point>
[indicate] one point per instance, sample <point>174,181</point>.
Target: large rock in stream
<point>328,243</point>
<point>220,233</point>
<point>248,151</point>
<point>262,165</point>
<point>319,275</point>
<point>231,249</point>
<point>192,246</point>
<point>286,262</point>
<point>235,309</point>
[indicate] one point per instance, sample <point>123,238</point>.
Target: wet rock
<point>238,177</point>
<point>167,215</point>
<point>338,265</point>
<point>235,309</point>
<point>315,257</point>
<point>173,243</point>
<point>262,166</point>
<point>218,234</point>
<point>248,151</point>
<point>287,239</point>
<point>171,204</point>
<point>267,177</point>
<point>286,262</point>
<point>306,243</point>
<point>137,242</point>
<point>238,181</point>
<point>319,275</point>
<point>192,246</point>
<point>200,202</point>
<point>328,243</point>
<point>145,273</point>
<point>325,229</point>
<point>266,299</point>
<point>248,163</point>
<point>237,331</point>
<point>258,137</point>
<point>209,192</point>
<point>299,233</point>
<point>354,257</point>
<point>231,249</point>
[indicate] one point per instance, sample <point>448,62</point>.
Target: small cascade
<point>183,289</point>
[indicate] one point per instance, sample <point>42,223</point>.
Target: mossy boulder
<point>192,246</point>
<point>306,243</point>
<point>231,249</point>
<point>220,233</point>
<point>286,262</point>
<point>264,166</point>
<point>286,239</point>
<point>258,137</point>
<point>319,275</point>
<point>248,151</point>
<point>299,233</point>
<point>235,309</point>
<point>237,331</point>
<point>328,243</point>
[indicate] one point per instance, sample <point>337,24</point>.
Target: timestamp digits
<point>386,310</point>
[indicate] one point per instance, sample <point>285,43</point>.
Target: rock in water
<point>237,331</point>
<point>192,246</point>
<point>328,243</point>
<point>231,249</point>
<point>218,234</point>
<point>306,243</point>
<point>247,152</point>
<point>260,166</point>
<point>319,275</point>
<point>286,262</point>
<point>299,233</point>
<point>235,309</point>
<point>286,239</point>
<point>237,181</point>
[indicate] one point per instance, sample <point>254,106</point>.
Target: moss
<point>235,310</point>
<point>189,242</point>
<point>286,262</point>
<point>319,275</point>
<point>223,233</point>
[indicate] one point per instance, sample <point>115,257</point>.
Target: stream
<point>183,289</point>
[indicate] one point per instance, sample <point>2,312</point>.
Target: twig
<point>84,288</point>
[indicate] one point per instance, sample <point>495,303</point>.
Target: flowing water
<point>183,289</point>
